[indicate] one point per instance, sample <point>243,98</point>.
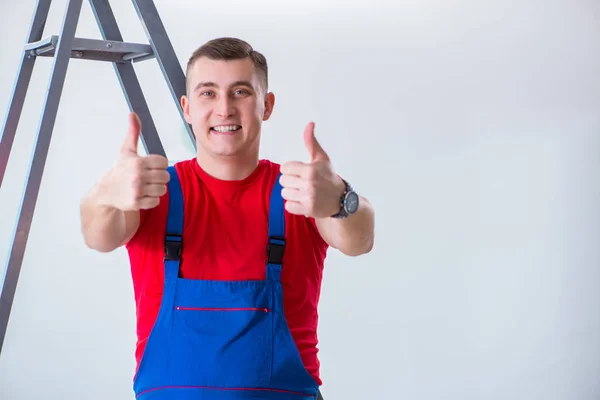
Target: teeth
<point>226,128</point>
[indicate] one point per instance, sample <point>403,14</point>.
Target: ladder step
<point>93,49</point>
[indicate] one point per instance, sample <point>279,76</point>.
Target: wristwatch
<point>348,202</point>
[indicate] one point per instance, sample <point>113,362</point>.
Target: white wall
<point>473,127</point>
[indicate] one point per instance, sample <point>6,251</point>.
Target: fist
<point>311,189</point>
<point>135,182</point>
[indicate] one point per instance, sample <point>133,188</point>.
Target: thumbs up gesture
<point>311,189</point>
<point>135,182</point>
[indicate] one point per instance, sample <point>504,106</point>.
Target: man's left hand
<point>311,189</point>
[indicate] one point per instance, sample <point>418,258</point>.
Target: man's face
<point>226,105</point>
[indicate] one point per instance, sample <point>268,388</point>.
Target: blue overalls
<point>222,340</point>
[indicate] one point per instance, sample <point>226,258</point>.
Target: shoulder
<point>183,167</point>
<point>267,175</point>
<point>269,166</point>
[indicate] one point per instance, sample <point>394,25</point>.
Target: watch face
<point>352,202</point>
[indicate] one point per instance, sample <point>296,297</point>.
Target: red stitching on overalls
<point>218,388</point>
<point>180,308</point>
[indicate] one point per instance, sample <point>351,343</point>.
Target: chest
<point>225,236</point>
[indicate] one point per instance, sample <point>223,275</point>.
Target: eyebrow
<point>204,84</point>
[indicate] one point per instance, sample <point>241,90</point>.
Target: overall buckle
<point>276,249</point>
<point>173,247</point>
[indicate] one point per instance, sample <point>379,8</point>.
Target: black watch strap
<point>343,213</point>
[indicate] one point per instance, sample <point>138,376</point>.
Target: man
<point>220,243</point>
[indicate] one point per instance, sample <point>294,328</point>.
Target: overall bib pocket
<point>223,346</point>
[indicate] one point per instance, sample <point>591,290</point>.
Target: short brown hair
<point>229,48</point>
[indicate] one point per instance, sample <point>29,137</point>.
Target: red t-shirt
<point>225,237</point>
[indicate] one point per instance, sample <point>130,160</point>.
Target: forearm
<point>103,227</point>
<point>354,235</point>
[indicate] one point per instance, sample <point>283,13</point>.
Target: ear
<point>185,105</point>
<point>269,105</point>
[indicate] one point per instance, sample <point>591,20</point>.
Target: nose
<point>225,107</point>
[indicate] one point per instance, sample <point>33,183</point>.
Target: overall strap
<point>276,246</point>
<point>173,237</point>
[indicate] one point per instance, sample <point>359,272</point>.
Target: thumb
<point>130,145</point>
<point>312,145</point>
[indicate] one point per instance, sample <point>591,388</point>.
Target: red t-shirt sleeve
<point>316,233</point>
<point>144,216</point>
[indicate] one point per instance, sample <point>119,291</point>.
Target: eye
<point>242,92</point>
<point>207,93</point>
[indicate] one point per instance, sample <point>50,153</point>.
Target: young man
<point>226,249</point>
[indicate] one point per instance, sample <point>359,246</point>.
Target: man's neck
<point>228,168</point>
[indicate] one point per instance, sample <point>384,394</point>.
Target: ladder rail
<point>128,79</point>
<point>17,98</point>
<point>165,55</point>
<point>38,160</point>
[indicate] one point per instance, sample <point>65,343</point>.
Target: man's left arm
<point>353,235</point>
<point>314,190</point>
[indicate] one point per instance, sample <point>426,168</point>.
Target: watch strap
<point>343,213</point>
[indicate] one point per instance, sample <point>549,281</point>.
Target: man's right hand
<point>135,182</point>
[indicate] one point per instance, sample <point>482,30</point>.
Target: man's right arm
<point>106,228</point>
<point>110,211</point>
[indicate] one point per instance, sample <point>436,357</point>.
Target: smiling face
<point>226,105</point>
